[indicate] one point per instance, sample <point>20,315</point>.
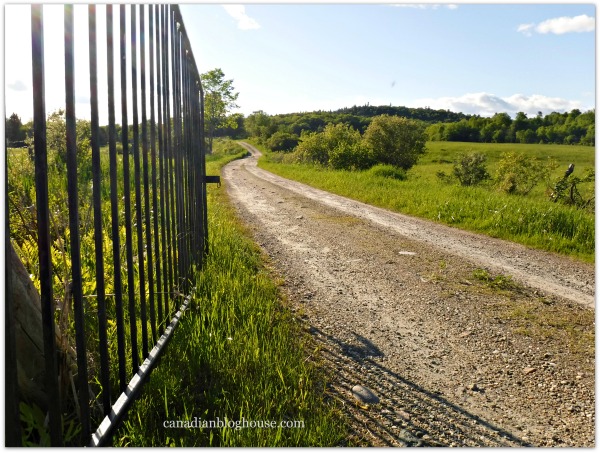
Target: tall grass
<point>238,354</point>
<point>531,220</point>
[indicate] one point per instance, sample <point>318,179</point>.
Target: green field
<point>531,219</point>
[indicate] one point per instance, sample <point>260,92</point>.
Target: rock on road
<point>392,302</point>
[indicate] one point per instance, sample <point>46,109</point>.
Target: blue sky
<point>473,58</point>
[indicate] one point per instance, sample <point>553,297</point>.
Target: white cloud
<point>525,29</point>
<point>238,12</point>
<point>486,104</point>
<point>560,25</point>
<point>17,85</point>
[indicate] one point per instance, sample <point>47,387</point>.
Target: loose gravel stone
<point>364,395</point>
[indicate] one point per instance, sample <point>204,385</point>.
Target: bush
<point>567,190</point>
<point>226,147</point>
<point>350,157</point>
<point>282,141</point>
<point>518,173</point>
<point>395,141</point>
<point>470,169</point>
<point>388,171</point>
<point>312,149</point>
<point>338,146</point>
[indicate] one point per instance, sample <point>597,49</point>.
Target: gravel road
<point>393,305</point>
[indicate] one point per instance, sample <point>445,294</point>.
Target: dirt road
<point>394,306</point>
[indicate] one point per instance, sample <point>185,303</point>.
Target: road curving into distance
<point>393,306</point>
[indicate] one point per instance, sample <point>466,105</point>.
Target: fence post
<point>43,219</point>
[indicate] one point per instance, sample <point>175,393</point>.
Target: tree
<point>395,140</point>
<point>260,125</point>
<point>14,131</point>
<point>56,141</point>
<point>219,99</point>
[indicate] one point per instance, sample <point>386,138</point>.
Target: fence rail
<point>132,268</point>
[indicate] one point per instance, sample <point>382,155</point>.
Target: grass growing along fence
<point>238,354</point>
<point>531,220</point>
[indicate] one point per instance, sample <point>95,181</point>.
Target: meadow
<point>531,219</point>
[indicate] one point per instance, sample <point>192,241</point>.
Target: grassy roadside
<point>530,220</point>
<point>238,354</point>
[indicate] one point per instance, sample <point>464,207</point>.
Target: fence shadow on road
<point>408,414</point>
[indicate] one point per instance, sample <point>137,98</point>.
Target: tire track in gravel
<point>386,297</point>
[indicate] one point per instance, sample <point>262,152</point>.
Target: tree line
<point>282,132</point>
<point>568,128</point>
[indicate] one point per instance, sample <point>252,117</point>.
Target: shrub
<point>312,149</point>
<point>282,141</point>
<point>566,190</point>
<point>395,141</point>
<point>226,147</point>
<point>338,146</point>
<point>353,156</point>
<point>470,169</point>
<point>518,173</point>
<point>388,171</point>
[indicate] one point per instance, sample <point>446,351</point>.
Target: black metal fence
<point>148,205</point>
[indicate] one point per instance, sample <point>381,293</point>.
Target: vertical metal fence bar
<point>145,162</point>
<point>127,196</point>
<point>186,163</point>
<point>190,162</point>
<point>73,200</point>
<point>165,155</point>
<point>43,220</point>
<point>153,138</point>
<point>169,172</point>
<point>97,205</point>
<point>137,180</point>
<point>161,161</point>
<point>204,210</point>
<point>114,198</point>
<point>189,158</point>
<point>177,154</point>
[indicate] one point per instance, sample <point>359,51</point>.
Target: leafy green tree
<point>470,169</point>
<point>260,125</point>
<point>14,130</point>
<point>56,138</point>
<point>395,140</point>
<point>219,99</point>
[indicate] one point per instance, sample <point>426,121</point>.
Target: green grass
<point>237,354</point>
<point>531,220</point>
